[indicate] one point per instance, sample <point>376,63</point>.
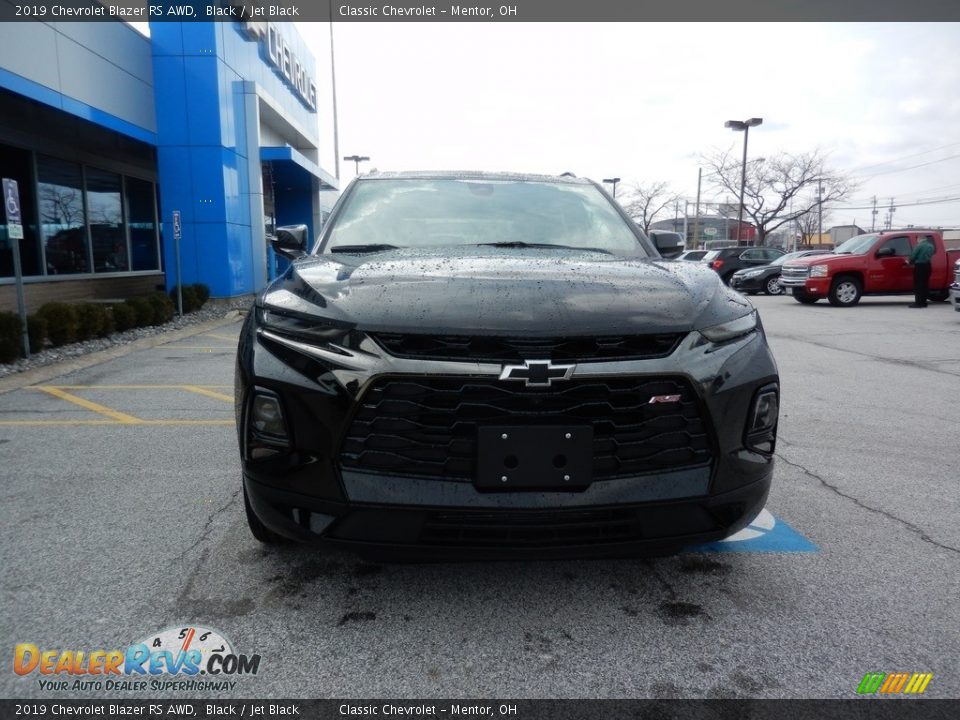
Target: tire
<point>772,287</point>
<point>845,291</point>
<point>939,296</point>
<point>260,531</point>
<point>801,297</point>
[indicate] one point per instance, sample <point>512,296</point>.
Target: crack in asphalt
<point>905,523</point>
<point>207,527</point>
<point>878,358</point>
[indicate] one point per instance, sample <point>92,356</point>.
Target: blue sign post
<point>177,233</point>
<point>11,208</point>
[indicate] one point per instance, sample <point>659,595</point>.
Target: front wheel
<point>845,292</point>
<point>801,297</point>
<point>939,295</point>
<point>773,285</point>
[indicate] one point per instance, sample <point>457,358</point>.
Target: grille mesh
<point>497,349</point>
<point>427,426</point>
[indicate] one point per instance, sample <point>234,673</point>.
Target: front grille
<point>531,529</point>
<point>427,426</point>
<point>498,349</point>
<point>794,273</point>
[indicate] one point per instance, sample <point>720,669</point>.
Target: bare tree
<point>778,189</point>
<point>645,202</point>
<point>808,225</point>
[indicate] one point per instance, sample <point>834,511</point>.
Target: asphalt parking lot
<point>121,515</point>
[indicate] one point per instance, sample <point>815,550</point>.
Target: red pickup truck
<point>871,264</point>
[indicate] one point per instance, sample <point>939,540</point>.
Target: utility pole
<point>892,210</point>
<point>696,213</point>
<point>873,223</point>
<point>819,211</point>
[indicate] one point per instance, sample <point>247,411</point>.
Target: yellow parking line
<point>220,337</point>
<point>18,423</point>
<point>209,393</point>
<point>131,387</point>
<point>89,405</point>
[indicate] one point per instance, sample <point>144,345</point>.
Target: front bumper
<point>811,286</point>
<point>306,494</point>
<point>757,282</point>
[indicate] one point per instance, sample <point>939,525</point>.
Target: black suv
<point>485,364</point>
<point>726,261</point>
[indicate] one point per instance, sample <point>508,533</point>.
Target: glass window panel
<point>60,199</point>
<point>16,165</point>
<point>143,228</point>
<point>107,234</point>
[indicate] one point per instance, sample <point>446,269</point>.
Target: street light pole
<point>614,181</point>
<point>357,159</point>
<point>744,125</point>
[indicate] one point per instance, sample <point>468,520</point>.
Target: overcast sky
<point>642,101</point>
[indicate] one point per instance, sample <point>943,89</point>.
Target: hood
<point>811,259</point>
<point>499,291</point>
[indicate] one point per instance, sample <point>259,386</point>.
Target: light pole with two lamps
<point>744,125</point>
<point>357,159</point>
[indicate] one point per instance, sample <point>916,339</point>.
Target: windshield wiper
<point>521,244</point>
<point>373,247</point>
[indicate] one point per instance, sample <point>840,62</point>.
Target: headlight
<point>301,327</point>
<point>752,273</point>
<point>731,329</point>
<point>818,271</point>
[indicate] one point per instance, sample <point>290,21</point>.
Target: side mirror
<point>290,241</point>
<point>886,252</point>
<point>669,244</point>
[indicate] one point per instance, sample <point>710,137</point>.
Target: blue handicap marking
<point>765,534</point>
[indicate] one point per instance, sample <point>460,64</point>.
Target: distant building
<point>842,233</point>
<point>711,229</point>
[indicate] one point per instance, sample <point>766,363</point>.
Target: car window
<point>712,255</point>
<point>753,254</point>
<point>443,212</point>
<point>772,253</point>
<point>901,246</point>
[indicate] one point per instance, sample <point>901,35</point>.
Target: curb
<point>48,372</point>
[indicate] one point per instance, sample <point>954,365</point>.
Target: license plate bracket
<point>534,457</point>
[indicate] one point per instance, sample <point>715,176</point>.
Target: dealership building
<point>110,135</point>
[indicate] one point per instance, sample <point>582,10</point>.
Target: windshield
<point>857,245</point>
<point>444,212</point>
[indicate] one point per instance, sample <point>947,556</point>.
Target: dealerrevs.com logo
<point>188,658</point>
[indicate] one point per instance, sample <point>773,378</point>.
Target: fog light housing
<point>266,428</point>
<point>761,432</point>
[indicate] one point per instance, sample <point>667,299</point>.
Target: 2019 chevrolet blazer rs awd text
<point>475,364</point>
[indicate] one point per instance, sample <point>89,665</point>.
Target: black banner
<point>477,11</point>
<point>862,709</point>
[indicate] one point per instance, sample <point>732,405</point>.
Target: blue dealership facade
<point>109,133</point>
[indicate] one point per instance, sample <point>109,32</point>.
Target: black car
<point>765,277</point>
<point>726,261</point>
<point>484,364</point>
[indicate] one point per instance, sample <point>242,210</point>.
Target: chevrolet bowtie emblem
<point>537,373</point>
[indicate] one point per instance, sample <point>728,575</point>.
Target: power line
<point>911,167</point>
<point>916,203</point>
<point>904,157</point>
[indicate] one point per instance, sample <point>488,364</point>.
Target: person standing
<point>920,259</point>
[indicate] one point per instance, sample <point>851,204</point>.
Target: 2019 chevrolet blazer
<point>472,364</point>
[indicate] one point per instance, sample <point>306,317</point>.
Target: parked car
<point>692,255</point>
<point>955,287</point>
<point>766,278</point>
<point>499,364</point>
<point>726,261</point>
<point>870,264</point>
